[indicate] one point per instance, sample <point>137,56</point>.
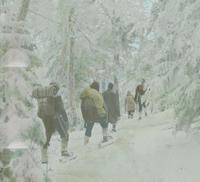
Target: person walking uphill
<point>129,105</point>
<point>51,111</point>
<point>93,110</point>
<point>139,93</point>
<point>112,106</point>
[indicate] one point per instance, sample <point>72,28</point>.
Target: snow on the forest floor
<point>145,151</point>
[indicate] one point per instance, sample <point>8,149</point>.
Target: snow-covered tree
<point>17,64</point>
<point>171,56</point>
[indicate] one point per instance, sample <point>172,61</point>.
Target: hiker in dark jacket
<point>139,93</point>
<point>112,106</point>
<point>51,111</point>
<point>93,110</point>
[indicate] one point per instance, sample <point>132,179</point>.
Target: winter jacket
<point>140,89</point>
<point>46,107</point>
<point>112,106</point>
<point>49,104</point>
<point>129,103</point>
<point>92,105</point>
<point>139,92</point>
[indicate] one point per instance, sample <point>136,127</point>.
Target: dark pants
<point>51,125</point>
<point>141,104</point>
<point>130,114</point>
<point>90,125</point>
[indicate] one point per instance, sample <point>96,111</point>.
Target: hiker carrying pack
<point>139,93</point>
<point>93,110</point>
<point>51,111</point>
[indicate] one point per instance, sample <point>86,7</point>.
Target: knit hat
<point>55,85</point>
<point>110,86</point>
<point>95,85</point>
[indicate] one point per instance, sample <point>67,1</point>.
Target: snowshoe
<point>66,154</point>
<point>114,130</point>
<point>46,171</point>
<point>110,140</point>
<point>67,157</point>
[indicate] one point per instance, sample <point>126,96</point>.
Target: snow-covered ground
<point>145,151</point>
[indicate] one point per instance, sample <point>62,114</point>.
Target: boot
<point>64,147</point>
<point>86,140</point>
<point>131,116</point>
<point>140,115</point>
<point>105,139</point>
<point>145,111</point>
<point>105,134</point>
<point>114,128</point>
<point>44,155</point>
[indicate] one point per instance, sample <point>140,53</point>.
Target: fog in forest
<point>99,90</point>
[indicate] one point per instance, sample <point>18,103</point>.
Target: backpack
<point>46,101</point>
<point>44,92</point>
<point>46,107</point>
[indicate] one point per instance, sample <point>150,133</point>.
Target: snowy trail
<point>145,151</point>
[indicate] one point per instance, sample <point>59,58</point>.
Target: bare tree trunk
<point>23,10</point>
<point>71,76</point>
<point>116,53</point>
<point>62,60</point>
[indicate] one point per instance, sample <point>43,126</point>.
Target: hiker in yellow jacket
<point>93,110</point>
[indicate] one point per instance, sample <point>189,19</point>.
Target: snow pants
<point>90,124</point>
<point>51,125</point>
<point>141,104</point>
<point>130,114</point>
